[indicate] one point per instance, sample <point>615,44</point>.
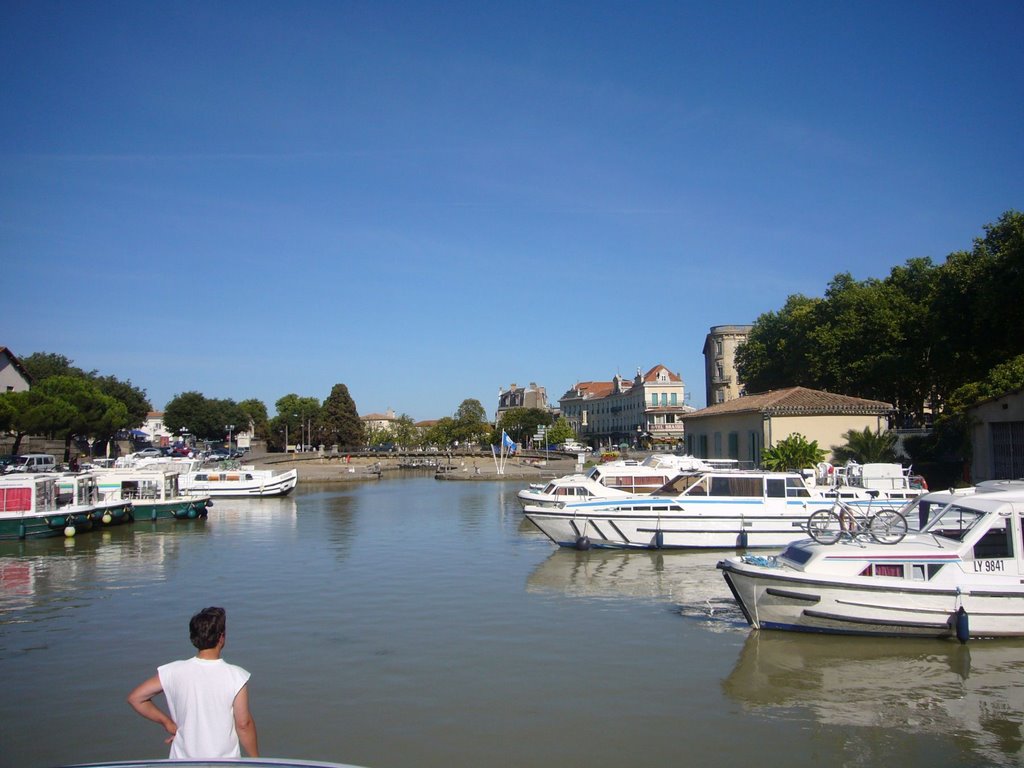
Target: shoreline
<point>341,469</point>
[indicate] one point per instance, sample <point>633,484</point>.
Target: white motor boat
<point>712,508</point>
<point>245,481</point>
<point>852,482</point>
<point>960,576</point>
<point>616,479</point>
<point>567,488</point>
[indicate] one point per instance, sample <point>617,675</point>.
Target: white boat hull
<point>672,526</point>
<point>779,598</point>
<point>252,484</point>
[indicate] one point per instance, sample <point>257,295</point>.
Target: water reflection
<point>687,579</point>
<point>34,571</point>
<point>279,512</point>
<point>973,693</point>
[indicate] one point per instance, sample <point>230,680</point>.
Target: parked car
<point>149,453</point>
<point>218,454</point>
<point>33,462</point>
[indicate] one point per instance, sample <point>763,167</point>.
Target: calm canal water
<point>412,622</point>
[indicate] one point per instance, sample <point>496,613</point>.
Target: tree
<point>403,431</point>
<point>866,447</point>
<point>471,422</point>
<point>203,418</point>
<point>792,453</point>
<point>14,416</point>
<point>339,420</point>
<point>45,365</point>
<point>561,431</point>
<point>134,399</point>
<point>1004,378</point>
<point>521,423</point>
<point>256,416</point>
<point>776,352</point>
<point>70,406</point>
<point>440,434</point>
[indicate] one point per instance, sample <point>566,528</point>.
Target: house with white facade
<point>13,376</point>
<point>644,411</point>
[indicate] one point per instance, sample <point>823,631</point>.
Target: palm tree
<point>866,447</point>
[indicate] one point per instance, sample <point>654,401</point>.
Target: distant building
<point>742,428</point>
<point>155,429</point>
<point>997,438</point>
<point>721,381</point>
<point>521,397</point>
<point>378,421</point>
<point>13,376</point>
<point>645,411</point>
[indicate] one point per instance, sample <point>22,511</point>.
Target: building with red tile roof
<point>742,428</point>
<point>645,410</point>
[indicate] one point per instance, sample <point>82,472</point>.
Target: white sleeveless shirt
<point>200,696</point>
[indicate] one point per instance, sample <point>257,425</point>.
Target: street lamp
<point>230,428</point>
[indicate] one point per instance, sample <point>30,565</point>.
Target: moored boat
<point>960,576</point>
<point>718,509</point>
<point>245,482</point>
<point>615,479</point>
<point>30,507</point>
<point>153,493</point>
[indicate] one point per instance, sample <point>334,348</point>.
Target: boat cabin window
<point>737,486</point>
<point>775,487</point>
<point>997,542</point>
<point>690,485</point>
<point>795,488</point>
<point>954,522</point>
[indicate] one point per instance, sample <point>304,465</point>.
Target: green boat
<point>34,506</point>
<point>153,493</point>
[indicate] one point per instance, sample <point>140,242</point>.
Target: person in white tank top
<point>207,698</point>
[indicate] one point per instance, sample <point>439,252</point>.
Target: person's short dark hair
<point>206,627</point>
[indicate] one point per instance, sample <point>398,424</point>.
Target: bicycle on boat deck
<point>842,520</point>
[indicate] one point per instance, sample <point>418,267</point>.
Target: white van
<point>33,462</point>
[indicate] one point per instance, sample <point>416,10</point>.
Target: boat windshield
<point>683,484</point>
<point>952,521</point>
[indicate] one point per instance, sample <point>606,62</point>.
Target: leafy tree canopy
<point>45,365</point>
<point>205,419</point>
<point>471,424</point>
<point>911,339</point>
<point>521,423</point>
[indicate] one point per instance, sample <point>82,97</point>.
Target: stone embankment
<point>338,469</point>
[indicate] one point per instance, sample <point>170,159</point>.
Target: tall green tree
<point>471,424</point>
<point>561,431</point>
<point>256,414</point>
<point>777,351</point>
<point>340,420</point>
<point>203,418</point>
<point>521,423</point>
<point>44,365</point>
<point>441,434</point>
<point>76,407</point>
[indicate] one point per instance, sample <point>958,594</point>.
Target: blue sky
<point>428,202</point>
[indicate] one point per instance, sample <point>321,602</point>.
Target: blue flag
<point>507,442</point>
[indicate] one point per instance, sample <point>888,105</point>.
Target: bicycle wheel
<point>824,526</point>
<point>887,526</point>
